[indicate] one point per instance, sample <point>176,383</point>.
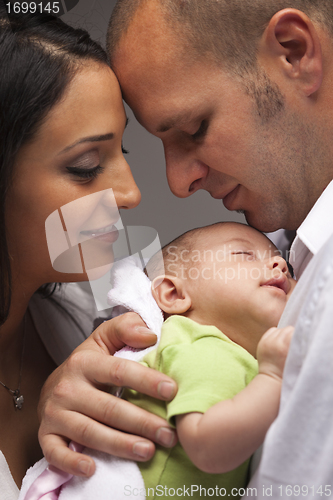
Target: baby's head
<point>228,275</point>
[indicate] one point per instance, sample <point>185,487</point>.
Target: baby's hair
<point>172,260</point>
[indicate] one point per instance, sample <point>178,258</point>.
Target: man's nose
<point>185,174</point>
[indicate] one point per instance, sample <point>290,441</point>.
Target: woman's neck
<point>27,369</point>
<point>12,333</point>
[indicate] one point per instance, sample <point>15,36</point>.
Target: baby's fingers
<point>276,338</point>
<point>285,335</point>
<point>273,350</point>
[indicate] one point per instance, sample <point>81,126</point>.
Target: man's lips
<point>219,195</point>
<point>280,282</point>
<point>228,197</point>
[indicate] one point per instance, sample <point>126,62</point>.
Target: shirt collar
<point>314,231</point>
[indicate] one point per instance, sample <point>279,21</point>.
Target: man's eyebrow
<point>164,127</point>
<point>178,119</point>
<point>93,138</point>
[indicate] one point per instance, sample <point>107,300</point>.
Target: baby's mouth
<point>280,282</point>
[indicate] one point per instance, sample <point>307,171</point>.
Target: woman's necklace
<point>18,398</point>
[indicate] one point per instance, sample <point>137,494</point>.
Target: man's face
<point>213,135</point>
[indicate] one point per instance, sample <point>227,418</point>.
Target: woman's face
<point>77,152</point>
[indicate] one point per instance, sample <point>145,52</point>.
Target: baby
<point>222,290</point>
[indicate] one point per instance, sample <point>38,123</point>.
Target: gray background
<point>159,208</point>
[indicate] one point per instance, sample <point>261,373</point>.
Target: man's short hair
<point>226,30</point>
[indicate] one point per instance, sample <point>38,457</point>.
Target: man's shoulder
<point>316,283</point>
<point>319,268</point>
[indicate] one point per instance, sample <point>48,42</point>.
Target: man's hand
<point>272,351</point>
<point>74,405</point>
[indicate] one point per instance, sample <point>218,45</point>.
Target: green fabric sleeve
<point>207,366</point>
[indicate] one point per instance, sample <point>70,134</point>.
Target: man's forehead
<point>171,95</point>
<point>147,34</point>
<point>160,105</point>
<point>158,77</point>
<point>152,45</point>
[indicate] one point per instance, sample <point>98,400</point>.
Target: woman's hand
<point>74,405</point>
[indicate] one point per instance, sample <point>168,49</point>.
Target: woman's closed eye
<point>87,166</point>
<point>86,173</point>
<point>84,169</point>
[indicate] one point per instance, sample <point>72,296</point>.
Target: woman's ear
<point>292,41</point>
<point>171,295</point>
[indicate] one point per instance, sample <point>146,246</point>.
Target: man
<point>240,93</point>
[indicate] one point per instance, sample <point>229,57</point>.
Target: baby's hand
<point>272,351</point>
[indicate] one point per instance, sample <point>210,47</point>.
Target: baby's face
<point>241,283</point>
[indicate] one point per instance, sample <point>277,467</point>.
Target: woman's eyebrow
<point>93,138</point>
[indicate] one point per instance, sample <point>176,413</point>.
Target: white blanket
<point>115,478</point>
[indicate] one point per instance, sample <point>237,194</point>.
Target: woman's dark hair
<point>39,56</point>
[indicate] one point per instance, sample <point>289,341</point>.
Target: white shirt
<point>313,233</point>
<point>297,457</point>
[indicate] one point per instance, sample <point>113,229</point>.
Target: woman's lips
<point>108,234</point>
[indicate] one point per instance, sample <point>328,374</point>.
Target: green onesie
<point>208,367</point>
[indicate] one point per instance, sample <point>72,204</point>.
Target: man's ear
<point>171,295</point>
<point>292,39</point>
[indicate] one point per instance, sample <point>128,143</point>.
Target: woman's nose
<point>130,197</point>
<point>126,192</point>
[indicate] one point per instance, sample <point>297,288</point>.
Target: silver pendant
<point>18,400</point>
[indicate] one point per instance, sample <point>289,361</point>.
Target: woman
<point>62,121</point>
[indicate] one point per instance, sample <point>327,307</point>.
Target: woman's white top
<point>62,321</point>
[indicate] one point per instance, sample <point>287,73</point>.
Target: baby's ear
<point>171,295</point>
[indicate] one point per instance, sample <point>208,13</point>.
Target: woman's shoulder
<point>65,319</point>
